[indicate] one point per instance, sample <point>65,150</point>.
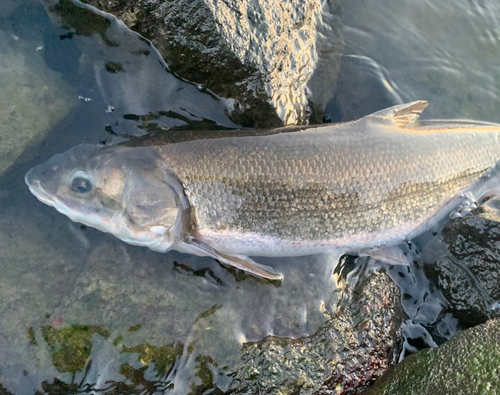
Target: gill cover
<point>154,202</point>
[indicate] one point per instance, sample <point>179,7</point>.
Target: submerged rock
<point>355,346</point>
<point>32,97</point>
<point>124,319</point>
<point>271,59</point>
<point>468,364</point>
<point>468,271</point>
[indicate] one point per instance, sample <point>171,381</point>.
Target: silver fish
<point>287,192</point>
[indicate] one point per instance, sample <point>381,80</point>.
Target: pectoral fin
<point>248,265</point>
<point>242,262</point>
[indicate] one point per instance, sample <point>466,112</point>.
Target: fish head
<point>120,190</point>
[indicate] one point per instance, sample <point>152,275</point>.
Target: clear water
<point>445,52</point>
<point>97,82</point>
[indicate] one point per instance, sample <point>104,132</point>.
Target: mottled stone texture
<point>468,364</point>
<point>358,342</point>
<point>276,60</point>
<point>354,347</point>
<point>468,272</point>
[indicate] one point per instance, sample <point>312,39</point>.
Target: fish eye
<point>80,182</point>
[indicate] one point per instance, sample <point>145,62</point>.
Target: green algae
<point>134,328</point>
<point>31,336</point>
<point>71,346</point>
<point>163,357</point>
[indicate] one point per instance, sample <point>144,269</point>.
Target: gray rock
<point>96,313</point>
<point>468,364</point>
<point>355,346</point>
<point>271,59</point>
<point>468,270</point>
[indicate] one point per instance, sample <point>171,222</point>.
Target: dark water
<point>95,81</point>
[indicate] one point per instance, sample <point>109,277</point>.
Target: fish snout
<point>30,177</point>
<point>33,181</point>
<point>34,176</point>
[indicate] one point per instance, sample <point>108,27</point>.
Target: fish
<point>354,187</point>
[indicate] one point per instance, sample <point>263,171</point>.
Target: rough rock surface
<point>275,58</point>
<point>468,364</point>
<point>95,324</point>
<point>355,347</point>
<point>468,272</point>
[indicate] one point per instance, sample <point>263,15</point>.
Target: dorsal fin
<point>402,114</point>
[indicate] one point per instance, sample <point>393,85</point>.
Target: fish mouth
<point>37,190</point>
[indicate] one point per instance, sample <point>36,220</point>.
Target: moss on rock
<point>71,345</point>
<point>468,364</point>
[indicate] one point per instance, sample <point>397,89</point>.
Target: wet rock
<point>350,351</point>
<point>271,59</point>
<point>468,364</point>
<point>32,98</point>
<point>468,270</point>
<point>123,83</point>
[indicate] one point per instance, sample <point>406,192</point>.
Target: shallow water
<point>444,52</point>
<point>127,304</point>
<point>55,272</point>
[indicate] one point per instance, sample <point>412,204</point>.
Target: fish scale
<point>334,188</point>
<point>326,184</point>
